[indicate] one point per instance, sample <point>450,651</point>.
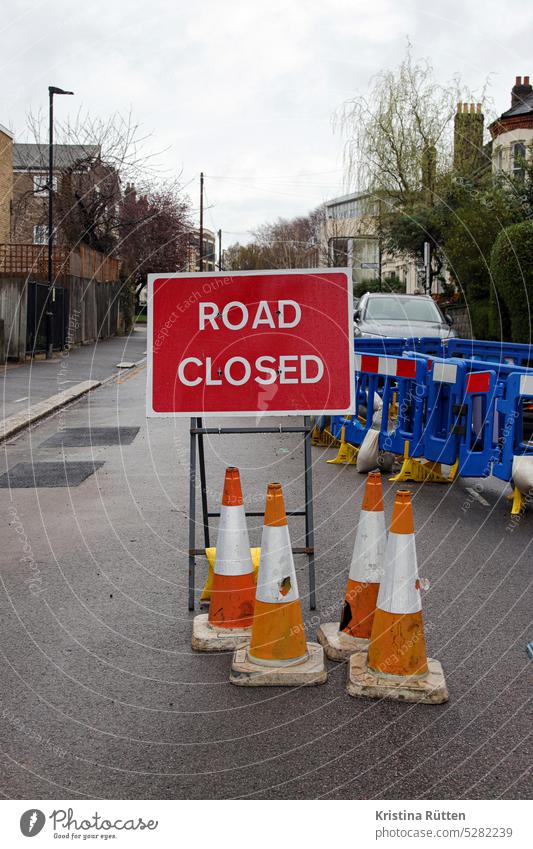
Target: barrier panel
<point>458,425</point>
<point>477,448</point>
<point>398,381</point>
<point>443,429</point>
<point>509,424</point>
<point>382,345</point>
<point>510,353</point>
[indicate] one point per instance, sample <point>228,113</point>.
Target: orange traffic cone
<point>397,666</point>
<point>233,591</point>
<point>278,653</point>
<point>366,568</point>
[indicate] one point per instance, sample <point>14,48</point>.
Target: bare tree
<point>154,229</point>
<point>290,243</point>
<point>284,243</point>
<point>95,157</point>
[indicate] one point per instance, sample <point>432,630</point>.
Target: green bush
<point>512,272</point>
<point>479,317</point>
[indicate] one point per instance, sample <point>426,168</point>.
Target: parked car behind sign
<point>383,314</point>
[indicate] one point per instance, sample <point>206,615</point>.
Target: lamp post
<point>52,89</point>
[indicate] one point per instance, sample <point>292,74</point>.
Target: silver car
<point>378,314</point>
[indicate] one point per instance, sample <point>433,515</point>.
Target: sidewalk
<point>26,384</point>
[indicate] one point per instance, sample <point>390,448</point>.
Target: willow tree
<point>399,135</point>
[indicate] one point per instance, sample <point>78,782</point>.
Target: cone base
<point>245,673</point>
<point>206,637</point>
<point>430,690</point>
<point>338,645</point>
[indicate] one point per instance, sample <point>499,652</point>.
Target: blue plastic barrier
<point>457,400</point>
<point>509,423</point>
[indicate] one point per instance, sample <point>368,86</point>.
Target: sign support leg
<point>192,515</point>
<point>309,522</point>
<point>203,484</point>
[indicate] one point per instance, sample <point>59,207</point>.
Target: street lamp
<point>52,89</point>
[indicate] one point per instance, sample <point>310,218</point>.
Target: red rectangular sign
<point>249,342</point>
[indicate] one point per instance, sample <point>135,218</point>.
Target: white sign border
<point>151,413</point>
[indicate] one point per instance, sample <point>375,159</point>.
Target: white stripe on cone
<point>276,581</point>
<point>398,590</point>
<point>233,545</point>
<point>369,548</point>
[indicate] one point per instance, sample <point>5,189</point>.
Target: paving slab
<point>39,475</point>
<point>82,437</point>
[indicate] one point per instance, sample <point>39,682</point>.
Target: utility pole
<point>52,89</point>
<point>427,267</point>
<point>201,251</point>
<point>220,250</point>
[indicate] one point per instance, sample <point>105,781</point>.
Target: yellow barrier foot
<point>316,436</point>
<point>328,438</point>
<point>415,470</point>
<point>322,439</point>
<point>453,471</point>
<point>347,453</point>
<point>519,502</point>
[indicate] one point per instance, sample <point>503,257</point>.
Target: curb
<point>13,424</point>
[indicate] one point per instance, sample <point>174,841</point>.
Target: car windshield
<point>402,309</point>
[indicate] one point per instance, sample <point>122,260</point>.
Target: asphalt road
<point>102,697</point>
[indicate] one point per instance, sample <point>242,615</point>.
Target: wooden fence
<point>83,262</point>
<point>90,279</point>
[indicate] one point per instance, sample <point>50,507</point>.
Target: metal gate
<point>38,305</point>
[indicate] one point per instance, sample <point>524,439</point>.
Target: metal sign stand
<point>197,433</point>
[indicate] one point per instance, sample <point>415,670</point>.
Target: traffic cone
<point>353,632</point>
<point>233,591</point>
<point>397,666</point>
<point>278,653</point>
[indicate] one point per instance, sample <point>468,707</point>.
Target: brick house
<point>85,191</point>
<point>6,182</point>
<point>84,269</point>
<point>512,132</point>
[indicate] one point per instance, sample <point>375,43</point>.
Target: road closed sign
<point>249,342</point>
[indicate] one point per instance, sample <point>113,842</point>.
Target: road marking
<point>477,496</point>
<point>18,400</point>
<point>133,373</point>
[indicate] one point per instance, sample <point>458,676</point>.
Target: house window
<point>499,159</point>
<point>40,183</point>
<point>40,234</point>
<point>519,158</point>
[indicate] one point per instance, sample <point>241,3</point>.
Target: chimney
<point>520,91</point>
<point>468,138</point>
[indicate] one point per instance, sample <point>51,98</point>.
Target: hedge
<point>511,265</point>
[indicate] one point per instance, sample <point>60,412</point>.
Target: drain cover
<point>30,475</point>
<point>85,437</point>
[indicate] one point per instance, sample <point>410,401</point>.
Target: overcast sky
<point>246,90</point>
